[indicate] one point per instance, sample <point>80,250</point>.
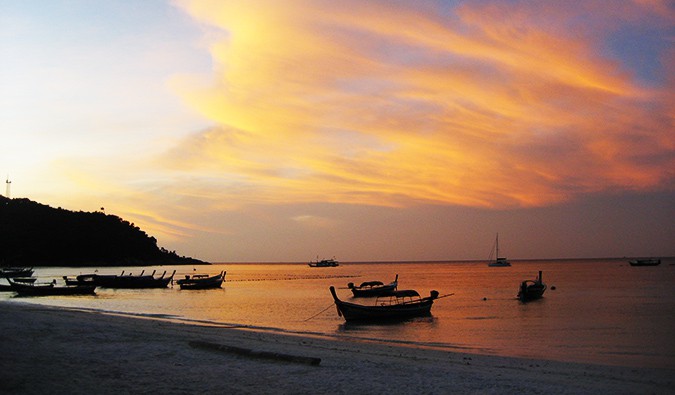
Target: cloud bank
<point>395,103</point>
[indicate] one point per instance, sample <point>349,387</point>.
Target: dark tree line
<point>36,234</point>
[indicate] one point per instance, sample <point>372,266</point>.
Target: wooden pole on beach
<point>247,352</point>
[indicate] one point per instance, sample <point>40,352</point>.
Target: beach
<point>56,350</point>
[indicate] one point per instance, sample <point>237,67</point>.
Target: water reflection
<point>601,311</point>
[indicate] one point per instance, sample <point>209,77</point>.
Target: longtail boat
<point>531,289</point>
<point>202,281</point>
<point>397,305</point>
<point>126,281</point>
<point>51,289</point>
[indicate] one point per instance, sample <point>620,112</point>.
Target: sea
<point>600,311</point>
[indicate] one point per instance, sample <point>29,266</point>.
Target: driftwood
<point>255,354</point>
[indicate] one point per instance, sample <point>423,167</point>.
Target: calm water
<point>602,311</point>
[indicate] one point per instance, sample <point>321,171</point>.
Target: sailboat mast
<point>497,247</point>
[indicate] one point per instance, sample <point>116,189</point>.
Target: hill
<point>35,234</point>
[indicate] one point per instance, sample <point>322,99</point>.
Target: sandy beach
<point>50,350</point>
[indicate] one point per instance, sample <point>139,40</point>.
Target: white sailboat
<point>498,261</point>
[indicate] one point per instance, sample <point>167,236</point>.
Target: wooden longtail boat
<point>202,281</point>
<point>531,289</point>
<point>51,289</point>
<point>398,305</point>
<point>128,281</point>
<point>373,288</point>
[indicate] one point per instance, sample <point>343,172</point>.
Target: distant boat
<point>531,289</point>
<point>499,261</point>
<point>202,281</point>
<point>324,263</point>
<point>645,262</point>
<point>373,288</point>
<point>397,305</point>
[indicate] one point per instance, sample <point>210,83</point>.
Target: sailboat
<point>498,261</point>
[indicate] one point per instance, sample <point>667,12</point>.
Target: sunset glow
<point>201,120</point>
<point>447,110</point>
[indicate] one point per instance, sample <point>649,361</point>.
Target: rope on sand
<point>247,352</point>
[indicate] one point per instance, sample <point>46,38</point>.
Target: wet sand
<point>51,350</point>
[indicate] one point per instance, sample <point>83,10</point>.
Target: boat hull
<point>51,290</point>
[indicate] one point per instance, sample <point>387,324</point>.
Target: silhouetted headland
<point>39,235</point>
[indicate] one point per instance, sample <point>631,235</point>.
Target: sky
<point>267,131</point>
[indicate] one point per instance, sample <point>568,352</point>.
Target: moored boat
<point>531,289</point>
<point>202,281</point>
<point>397,306</point>
<point>51,289</point>
<point>373,288</point>
<point>645,262</point>
<point>126,281</point>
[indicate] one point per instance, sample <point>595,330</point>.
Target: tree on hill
<point>36,234</point>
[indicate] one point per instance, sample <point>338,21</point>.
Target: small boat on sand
<point>51,289</point>
<point>531,289</point>
<point>202,281</point>
<point>373,288</point>
<point>396,306</point>
<point>645,262</point>
<point>324,263</point>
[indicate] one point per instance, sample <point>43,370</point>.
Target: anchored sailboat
<point>498,261</point>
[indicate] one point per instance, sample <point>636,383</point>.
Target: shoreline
<point>51,349</point>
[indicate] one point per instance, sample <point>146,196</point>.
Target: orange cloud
<point>392,104</point>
